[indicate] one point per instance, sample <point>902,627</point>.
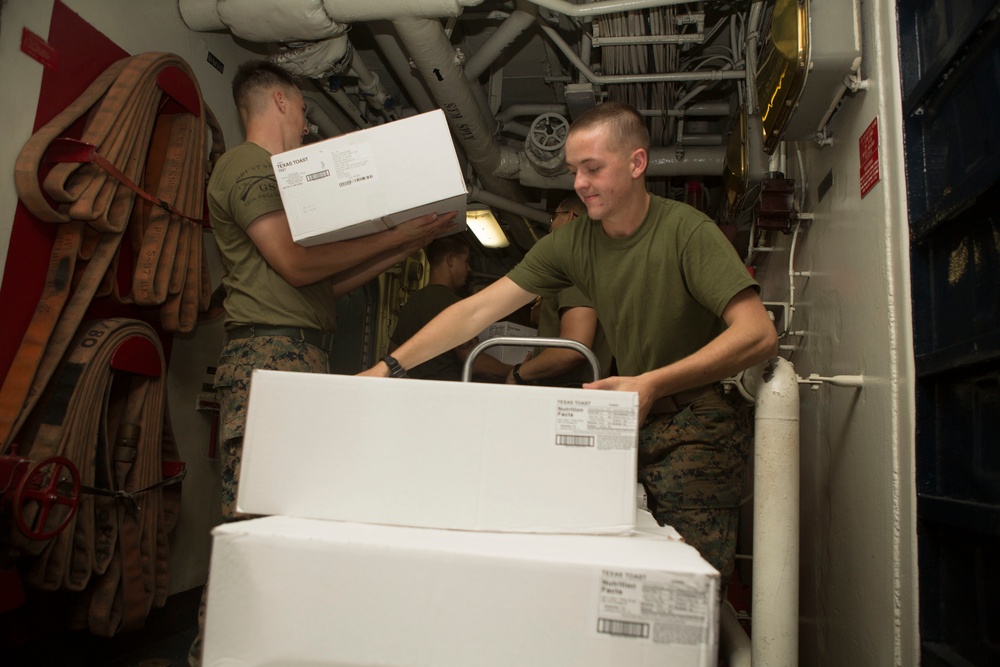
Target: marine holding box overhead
<point>371,180</point>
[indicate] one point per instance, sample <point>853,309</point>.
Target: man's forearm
<point>549,363</point>
<point>458,324</point>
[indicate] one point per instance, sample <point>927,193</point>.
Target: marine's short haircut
<point>254,79</point>
<point>440,248</point>
<point>625,124</point>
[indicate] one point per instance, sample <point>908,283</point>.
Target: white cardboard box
<point>370,180</point>
<point>295,592</point>
<point>438,454</point>
<point>509,354</point>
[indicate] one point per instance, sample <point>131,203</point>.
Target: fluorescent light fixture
<point>486,228</point>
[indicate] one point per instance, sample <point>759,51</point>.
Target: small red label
<point>868,150</point>
<point>39,49</point>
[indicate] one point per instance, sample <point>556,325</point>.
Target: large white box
<point>370,180</point>
<point>437,454</point>
<point>295,592</point>
<point>508,354</point>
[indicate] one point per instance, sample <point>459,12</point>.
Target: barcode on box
<point>575,440</point>
<point>623,628</point>
<point>318,175</point>
<point>356,180</point>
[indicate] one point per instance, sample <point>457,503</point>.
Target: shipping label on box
<point>508,354</point>
<point>472,456</point>
<point>288,591</point>
<point>370,180</point>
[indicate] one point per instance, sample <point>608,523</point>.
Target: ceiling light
<point>485,227</point>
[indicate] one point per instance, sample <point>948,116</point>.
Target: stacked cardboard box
<point>371,180</point>
<point>509,354</point>
<point>446,524</point>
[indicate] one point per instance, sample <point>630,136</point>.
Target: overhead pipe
<point>329,124</point>
<point>601,80</point>
<point>437,62</point>
<point>506,33</point>
<point>347,105</point>
<point>476,193</point>
<point>774,389</point>
<point>602,8</point>
<point>400,65</point>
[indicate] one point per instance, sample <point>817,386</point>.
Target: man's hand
<point>379,370</point>
<point>629,383</point>
<point>418,232</point>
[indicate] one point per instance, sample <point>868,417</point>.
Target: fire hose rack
<point>89,469</point>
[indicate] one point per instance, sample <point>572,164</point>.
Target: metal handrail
<point>531,342</point>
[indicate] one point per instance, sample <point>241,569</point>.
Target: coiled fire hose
<point>134,178</point>
<point>111,423</point>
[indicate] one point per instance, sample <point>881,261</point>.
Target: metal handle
<point>531,342</point>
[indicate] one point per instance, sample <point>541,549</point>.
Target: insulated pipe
<point>702,109</point>
<point>438,63</point>
<point>476,193</point>
<point>686,161</point>
<point>518,110</point>
<point>692,161</point>
<point>400,65</point>
<point>348,107</point>
<point>329,125</point>
<point>505,34</point>
<point>372,89</point>
<point>734,645</point>
<point>775,598</point>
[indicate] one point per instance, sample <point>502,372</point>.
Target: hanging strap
<point>146,120</point>
<point>107,415</point>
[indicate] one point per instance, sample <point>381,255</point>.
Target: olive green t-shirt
<point>658,293</point>
<point>549,326</point>
<point>420,308</point>
<point>243,188</point>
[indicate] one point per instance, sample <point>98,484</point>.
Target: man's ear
<point>279,99</point>
<point>639,161</point>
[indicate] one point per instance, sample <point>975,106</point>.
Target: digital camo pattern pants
<point>237,362</point>
<point>692,464</point>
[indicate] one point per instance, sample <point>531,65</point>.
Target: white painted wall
<point>858,572</point>
<point>138,26</point>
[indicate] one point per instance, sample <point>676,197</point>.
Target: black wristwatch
<point>515,373</point>
<point>395,370</point>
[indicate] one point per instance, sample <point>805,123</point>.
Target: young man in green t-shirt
<point>448,259</point>
<point>679,308</point>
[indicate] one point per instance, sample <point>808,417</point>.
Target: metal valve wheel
<point>548,132</point>
<point>50,484</point>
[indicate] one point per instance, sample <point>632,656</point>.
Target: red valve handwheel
<point>51,483</point>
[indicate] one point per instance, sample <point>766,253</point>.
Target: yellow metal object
<point>782,68</point>
<point>734,175</point>
<point>395,287</point>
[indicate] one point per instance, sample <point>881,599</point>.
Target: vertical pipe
<point>775,598</point>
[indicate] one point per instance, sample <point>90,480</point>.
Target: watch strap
<point>395,370</point>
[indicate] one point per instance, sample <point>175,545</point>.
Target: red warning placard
<point>39,49</point>
<point>868,150</point>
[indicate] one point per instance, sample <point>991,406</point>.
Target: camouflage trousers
<point>692,464</point>
<point>237,362</point>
